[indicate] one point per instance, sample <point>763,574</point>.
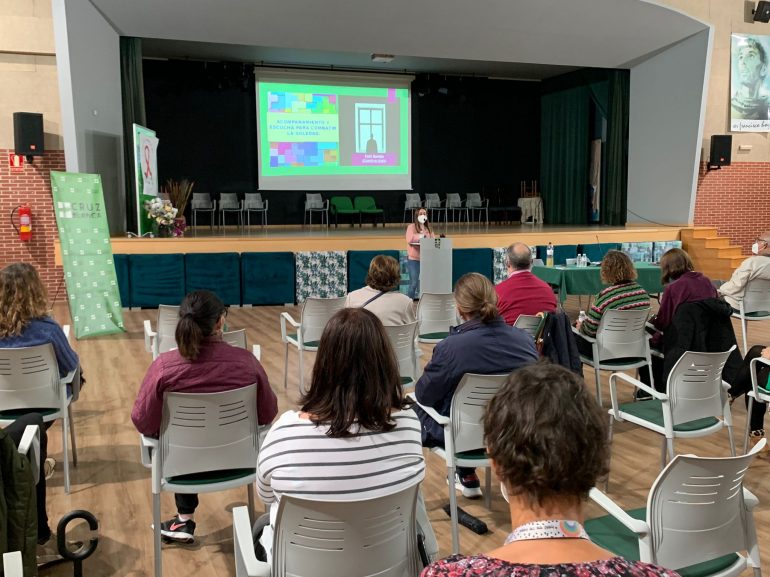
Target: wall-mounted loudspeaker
<point>762,12</point>
<point>28,133</point>
<point>721,149</point>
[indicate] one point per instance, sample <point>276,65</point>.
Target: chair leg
<point>598,379</point>
<point>252,508</point>
<point>450,473</point>
<point>301,373</point>
<point>72,438</point>
<point>609,443</point>
<point>732,440</point>
<point>286,367</point>
<point>749,408</point>
<point>663,455</point>
<point>156,533</point>
<point>745,342</point>
<point>488,487</point>
<point>65,424</point>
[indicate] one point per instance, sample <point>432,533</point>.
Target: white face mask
<point>422,219</point>
<point>755,248</point>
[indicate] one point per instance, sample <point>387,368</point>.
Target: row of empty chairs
<point>229,203</point>
<point>359,206</point>
<point>453,205</point>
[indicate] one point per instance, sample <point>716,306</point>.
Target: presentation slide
<point>349,134</point>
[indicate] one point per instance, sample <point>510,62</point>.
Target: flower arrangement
<point>179,193</point>
<point>160,211</point>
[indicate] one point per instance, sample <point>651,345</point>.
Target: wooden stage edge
<point>295,239</point>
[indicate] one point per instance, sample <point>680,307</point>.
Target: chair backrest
<point>756,298</point>
<point>467,413</point>
<point>529,323</point>
<point>208,431</point>
<point>432,200</point>
<point>412,200</point>
<point>316,312</point>
<point>473,199</point>
<point>622,334</point>
<point>364,203</point>
<point>453,200</point>
<point>341,203</point>
<point>695,386</point>
<point>313,200</point>
<point>235,338</point>
<point>168,319</point>
<point>29,377</point>
<point>229,201</point>
<point>347,538</point>
<point>402,340</point>
<point>201,201</point>
<point>253,201</point>
<point>696,510</point>
<point>436,312</point>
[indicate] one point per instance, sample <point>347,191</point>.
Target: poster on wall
<point>749,83</point>
<point>145,173</point>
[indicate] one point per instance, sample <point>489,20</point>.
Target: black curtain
<point>132,88</point>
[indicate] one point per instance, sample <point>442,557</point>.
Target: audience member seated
<point>547,439</point>
<point>354,437</point>
<point>522,293</point>
<point>681,285</point>
<point>25,321</point>
<point>756,266</point>
<point>483,344</point>
<point>203,363</point>
<point>381,296</point>
<point>741,385</point>
<point>624,293</point>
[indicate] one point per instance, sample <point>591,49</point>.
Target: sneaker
<point>469,486</point>
<point>176,530</point>
<point>756,436</point>
<point>48,467</point>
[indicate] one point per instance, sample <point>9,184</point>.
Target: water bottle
<point>582,316</point>
<point>579,261</point>
<point>549,255</point>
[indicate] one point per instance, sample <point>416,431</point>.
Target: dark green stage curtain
<point>132,87</point>
<point>564,152</point>
<point>615,197</point>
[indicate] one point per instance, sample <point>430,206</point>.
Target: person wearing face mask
<point>755,266</point>
<point>414,232</point>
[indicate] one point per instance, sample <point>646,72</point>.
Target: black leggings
<point>742,385</point>
<point>16,430</point>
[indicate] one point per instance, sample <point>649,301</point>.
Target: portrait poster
<point>146,174</point>
<point>749,83</point>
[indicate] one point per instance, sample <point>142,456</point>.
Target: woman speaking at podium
<point>414,232</point>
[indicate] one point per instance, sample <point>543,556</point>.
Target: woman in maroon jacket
<point>203,363</point>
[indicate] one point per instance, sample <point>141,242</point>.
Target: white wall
<point>88,59</point>
<point>667,107</point>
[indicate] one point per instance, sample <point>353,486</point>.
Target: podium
<point>435,265</point>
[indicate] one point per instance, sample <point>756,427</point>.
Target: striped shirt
<point>624,296</point>
<point>298,458</point>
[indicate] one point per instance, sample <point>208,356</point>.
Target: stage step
<point>712,254</point>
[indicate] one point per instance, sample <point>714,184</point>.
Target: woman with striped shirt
<point>354,437</point>
<point>624,293</point>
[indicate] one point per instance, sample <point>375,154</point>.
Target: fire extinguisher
<point>25,222</point>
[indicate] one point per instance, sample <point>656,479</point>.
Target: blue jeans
<point>413,266</point>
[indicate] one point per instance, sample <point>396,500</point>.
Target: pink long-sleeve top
<point>413,237</point>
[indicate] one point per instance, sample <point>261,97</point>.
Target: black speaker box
<point>28,133</point>
<point>721,149</point>
<point>762,13</point>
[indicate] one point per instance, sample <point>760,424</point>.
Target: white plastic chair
<point>695,404</point>
<point>30,447</point>
<point>374,537</point>
<point>434,204</point>
<point>464,435</point>
<point>755,306</point>
<point>474,203</point>
<point>315,203</point>
<point>455,203</point>
<point>314,315</point>
<point>29,380</point>
<point>402,339</point>
<point>237,338</point>
<point>201,202</point>
<point>202,433</point>
<point>228,202</point>
<point>529,323</point>
<point>621,335</point>
<point>758,392</point>
<point>436,313</point>
<point>697,511</point>
<point>164,339</point>
<point>412,203</point>
<point>12,564</point>
<point>253,203</point>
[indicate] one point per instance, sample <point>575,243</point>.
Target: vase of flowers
<point>163,214</point>
<point>179,193</point>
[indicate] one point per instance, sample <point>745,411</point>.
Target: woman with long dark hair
<point>203,363</point>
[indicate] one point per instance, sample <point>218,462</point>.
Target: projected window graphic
<point>370,128</point>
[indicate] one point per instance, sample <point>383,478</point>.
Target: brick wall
<point>736,200</point>
<point>32,186</point>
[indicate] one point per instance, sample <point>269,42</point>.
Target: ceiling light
<point>382,58</point>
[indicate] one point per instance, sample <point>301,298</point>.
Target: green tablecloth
<point>572,280</point>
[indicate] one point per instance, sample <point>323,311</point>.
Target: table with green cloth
<point>573,280</point>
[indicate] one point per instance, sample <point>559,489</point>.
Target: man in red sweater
<point>523,293</point>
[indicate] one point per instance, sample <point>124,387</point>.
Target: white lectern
<point>435,265</point>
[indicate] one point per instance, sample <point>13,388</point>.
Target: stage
<point>391,237</point>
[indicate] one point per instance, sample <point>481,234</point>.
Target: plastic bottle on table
<point>549,255</point>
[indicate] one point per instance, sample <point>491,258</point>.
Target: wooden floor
<point>110,481</point>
